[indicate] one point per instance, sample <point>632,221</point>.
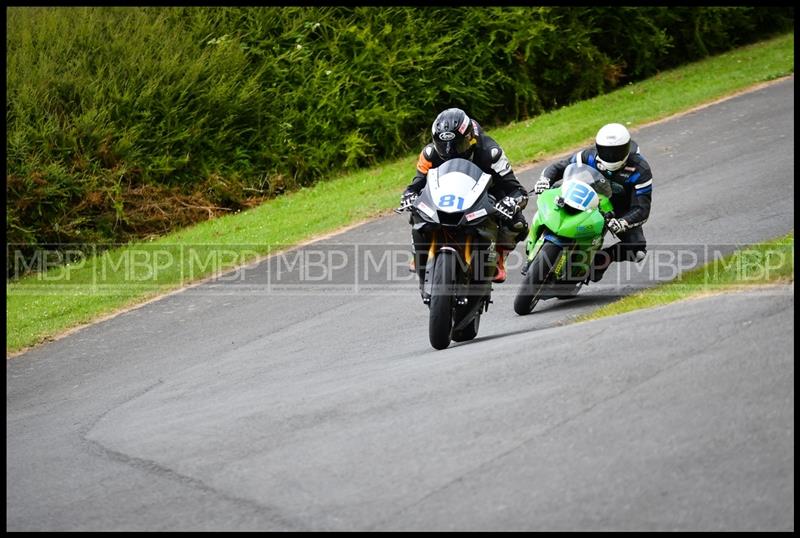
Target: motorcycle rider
<point>454,134</point>
<point>617,157</point>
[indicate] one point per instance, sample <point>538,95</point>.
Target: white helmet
<point>613,144</point>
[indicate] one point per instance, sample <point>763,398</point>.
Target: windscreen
<point>586,174</point>
<point>461,165</point>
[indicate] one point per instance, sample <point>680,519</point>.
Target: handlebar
<point>506,215</point>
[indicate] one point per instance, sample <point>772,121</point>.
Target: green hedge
<point>124,122</point>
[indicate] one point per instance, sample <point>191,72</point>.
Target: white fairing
<point>455,191</point>
<point>579,195</point>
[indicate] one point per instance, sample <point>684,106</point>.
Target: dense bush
<point>129,121</point>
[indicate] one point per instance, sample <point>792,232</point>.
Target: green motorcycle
<point>566,232</point>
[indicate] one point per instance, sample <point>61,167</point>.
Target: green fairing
<point>585,229</point>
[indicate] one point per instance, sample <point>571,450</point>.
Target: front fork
<point>533,247</point>
<point>464,259</point>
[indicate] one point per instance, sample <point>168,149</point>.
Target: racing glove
<point>542,185</point>
<point>407,199</point>
<point>508,207</point>
<point>618,226</point>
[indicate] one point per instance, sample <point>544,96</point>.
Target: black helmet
<point>453,134</point>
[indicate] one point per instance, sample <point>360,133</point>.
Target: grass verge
<point>771,262</point>
<point>70,293</point>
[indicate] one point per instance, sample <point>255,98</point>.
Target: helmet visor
<point>457,146</point>
<point>613,154</point>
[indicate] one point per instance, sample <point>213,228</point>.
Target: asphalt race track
<point>302,393</point>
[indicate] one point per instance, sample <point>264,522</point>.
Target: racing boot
<point>500,275</point>
<point>605,257</point>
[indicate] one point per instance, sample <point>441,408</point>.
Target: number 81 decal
<point>448,200</point>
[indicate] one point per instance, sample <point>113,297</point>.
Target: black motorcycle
<point>457,215</point>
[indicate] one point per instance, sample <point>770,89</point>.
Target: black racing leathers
<point>632,187</point>
<point>632,184</point>
<point>488,156</point>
